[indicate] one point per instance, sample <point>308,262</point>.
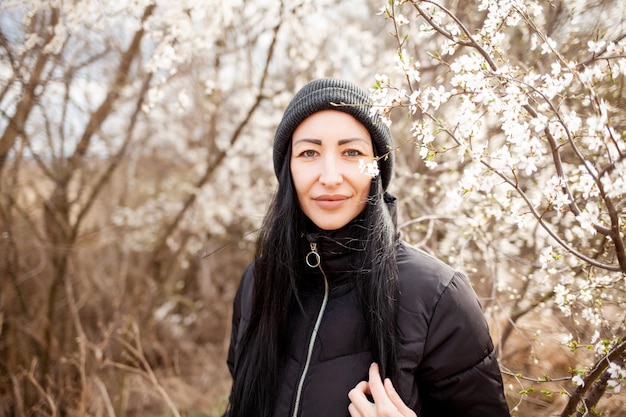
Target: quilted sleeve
<point>459,374</point>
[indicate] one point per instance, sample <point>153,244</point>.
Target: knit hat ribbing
<point>334,94</point>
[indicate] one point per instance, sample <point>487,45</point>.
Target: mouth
<point>327,197</point>
<point>331,202</point>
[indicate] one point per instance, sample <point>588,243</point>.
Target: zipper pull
<point>312,258</point>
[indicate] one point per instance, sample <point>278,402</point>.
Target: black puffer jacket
<point>446,361</point>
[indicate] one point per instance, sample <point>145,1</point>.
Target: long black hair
<point>259,353</point>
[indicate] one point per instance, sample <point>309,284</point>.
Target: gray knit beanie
<point>334,94</point>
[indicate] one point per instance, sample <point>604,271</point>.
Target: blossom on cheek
<point>369,168</point>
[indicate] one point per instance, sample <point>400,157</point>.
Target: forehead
<point>331,124</point>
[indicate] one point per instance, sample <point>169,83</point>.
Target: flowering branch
<point>599,367</point>
<point>471,41</point>
<point>540,219</point>
<point>537,142</point>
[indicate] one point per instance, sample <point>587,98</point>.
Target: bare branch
<point>146,370</point>
<point>115,161</point>
<point>26,103</point>
<point>121,79</point>
<point>161,242</point>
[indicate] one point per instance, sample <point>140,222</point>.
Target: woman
<point>337,316</point>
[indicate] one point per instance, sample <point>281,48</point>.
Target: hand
<point>387,402</point>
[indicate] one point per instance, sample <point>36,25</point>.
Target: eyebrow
<point>340,142</point>
<point>348,140</point>
<point>313,141</point>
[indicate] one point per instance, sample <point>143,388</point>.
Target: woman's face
<point>326,148</point>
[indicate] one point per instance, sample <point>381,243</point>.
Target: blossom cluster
<point>601,347</point>
<point>369,168</point>
<point>507,118</point>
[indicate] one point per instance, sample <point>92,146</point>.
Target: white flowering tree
<point>135,136</point>
<point>516,109</point>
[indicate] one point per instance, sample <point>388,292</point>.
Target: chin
<point>326,225</point>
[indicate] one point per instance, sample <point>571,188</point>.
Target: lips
<point>330,201</point>
<point>329,197</point>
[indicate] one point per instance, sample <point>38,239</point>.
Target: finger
<point>375,382</point>
<point>384,405</point>
<point>359,404</point>
<point>392,393</point>
<point>353,410</point>
<point>360,388</point>
<point>396,400</point>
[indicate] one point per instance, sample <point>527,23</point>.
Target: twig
<point>599,367</point>
<point>105,396</point>
<point>49,400</point>
<point>146,370</point>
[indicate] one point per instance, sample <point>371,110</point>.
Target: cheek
<point>364,184</point>
<point>299,179</point>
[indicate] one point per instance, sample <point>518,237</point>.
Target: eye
<point>352,153</point>
<point>309,153</point>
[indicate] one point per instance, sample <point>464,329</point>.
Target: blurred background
<point>135,169</point>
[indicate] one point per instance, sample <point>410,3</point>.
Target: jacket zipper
<point>313,260</point>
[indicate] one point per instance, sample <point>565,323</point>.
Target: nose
<point>331,172</point>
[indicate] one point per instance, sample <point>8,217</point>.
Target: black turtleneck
<point>340,254</point>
